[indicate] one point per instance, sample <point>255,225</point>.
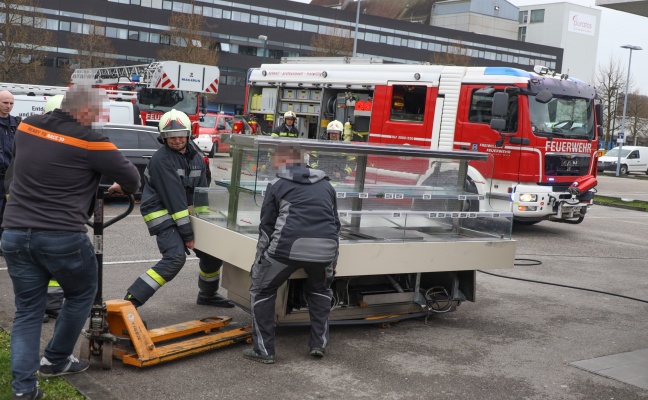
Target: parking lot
<point>517,341</point>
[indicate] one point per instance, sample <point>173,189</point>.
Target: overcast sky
<point>615,29</point>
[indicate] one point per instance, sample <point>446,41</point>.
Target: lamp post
<point>355,37</point>
<point>625,105</point>
<point>265,45</point>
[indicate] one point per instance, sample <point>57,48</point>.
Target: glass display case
<point>414,226</point>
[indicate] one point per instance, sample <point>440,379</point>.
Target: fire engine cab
<point>160,86</point>
<point>541,127</point>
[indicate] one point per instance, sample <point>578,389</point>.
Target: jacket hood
<point>300,173</point>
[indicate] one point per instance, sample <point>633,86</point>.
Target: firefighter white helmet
<point>290,114</point>
<point>334,130</point>
<point>53,103</point>
<point>174,123</point>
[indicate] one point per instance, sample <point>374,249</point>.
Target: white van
<point>633,159</point>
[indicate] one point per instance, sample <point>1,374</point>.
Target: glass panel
<point>408,103</point>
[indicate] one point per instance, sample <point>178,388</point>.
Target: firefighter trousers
<point>267,276</point>
<point>173,259</point>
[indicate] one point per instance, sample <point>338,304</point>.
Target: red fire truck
<point>542,128</point>
<point>160,86</point>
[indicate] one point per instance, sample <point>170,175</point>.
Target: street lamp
<point>625,104</point>
<point>265,45</point>
<point>355,38</point>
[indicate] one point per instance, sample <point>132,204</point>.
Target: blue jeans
<point>34,257</point>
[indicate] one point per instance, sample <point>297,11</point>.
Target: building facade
<point>497,18</point>
<point>138,29</point>
<point>569,26</point>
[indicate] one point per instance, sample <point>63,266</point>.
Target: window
<point>523,17</point>
<point>165,39</point>
<point>62,62</point>
<point>481,110</point>
<point>537,16</point>
<point>133,35</point>
<point>522,34</point>
<point>154,37</point>
<point>408,103</point>
<point>167,5</point>
<point>64,26</point>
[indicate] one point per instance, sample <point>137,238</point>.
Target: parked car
<point>138,143</point>
<point>633,159</point>
<point>210,126</point>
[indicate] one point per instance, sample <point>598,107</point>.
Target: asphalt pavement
<point>517,341</point>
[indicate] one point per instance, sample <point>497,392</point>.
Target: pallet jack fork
<point>117,331</point>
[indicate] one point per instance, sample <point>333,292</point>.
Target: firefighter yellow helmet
<point>290,114</point>
<point>174,123</point>
<point>53,103</point>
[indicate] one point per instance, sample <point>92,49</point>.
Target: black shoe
<point>317,352</point>
<point>46,318</point>
<point>33,395</point>
<point>215,300</point>
<point>70,366</point>
<point>250,354</point>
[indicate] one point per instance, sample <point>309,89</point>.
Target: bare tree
<point>92,50</point>
<point>636,116</point>
<point>610,83</point>
<point>23,39</point>
<point>189,39</point>
<point>457,54</point>
<point>336,42</point>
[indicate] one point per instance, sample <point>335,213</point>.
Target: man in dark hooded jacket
<point>299,229</point>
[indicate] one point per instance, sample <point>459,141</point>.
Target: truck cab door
<point>473,131</point>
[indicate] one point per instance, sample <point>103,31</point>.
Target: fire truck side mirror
<point>500,105</point>
<point>544,96</point>
<point>598,110</point>
<point>498,124</point>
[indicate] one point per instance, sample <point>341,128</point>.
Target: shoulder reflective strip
<point>180,214</point>
<point>180,171</point>
<point>156,277</point>
<point>53,283</point>
<point>202,209</point>
<point>182,221</point>
<point>70,141</point>
<point>211,277</point>
<point>194,173</point>
<point>155,214</point>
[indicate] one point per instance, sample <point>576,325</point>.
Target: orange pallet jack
<point>117,331</point>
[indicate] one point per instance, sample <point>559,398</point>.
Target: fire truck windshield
<point>164,100</point>
<point>564,117</point>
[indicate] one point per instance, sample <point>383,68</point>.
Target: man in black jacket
<point>287,129</point>
<point>170,180</point>
<point>8,126</point>
<point>51,198</point>
<point>299,229</point>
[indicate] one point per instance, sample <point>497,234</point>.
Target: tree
<point>336,42</point>
<point>610,83</point>
<point>23,42</point>
<point>457,54</point>
<point>636,115</point>
<point>92,50</point>
<point>189,39</point>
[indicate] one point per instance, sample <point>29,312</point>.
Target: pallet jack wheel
<point>84,349</point>
<point>106,355</point>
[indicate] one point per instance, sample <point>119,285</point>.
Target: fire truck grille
<point>567,164</point>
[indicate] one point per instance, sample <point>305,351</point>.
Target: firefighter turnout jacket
<point>285,132</point>
<point>169,184</point>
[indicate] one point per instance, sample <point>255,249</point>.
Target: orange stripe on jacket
<point>57,137</point>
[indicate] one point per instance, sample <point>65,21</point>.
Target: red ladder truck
<point>160,86</point>
<point>544,142</point>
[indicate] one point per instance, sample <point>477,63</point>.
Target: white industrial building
<point>570,26</point>
<point>493,18</point>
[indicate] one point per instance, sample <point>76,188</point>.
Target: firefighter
<point>337,167</point>
<point>288,128</point>
<point>170,179</point>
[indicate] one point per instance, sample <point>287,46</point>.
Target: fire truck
<point>31,99</point>
<point>541,127</point>
<point>160,86</point>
